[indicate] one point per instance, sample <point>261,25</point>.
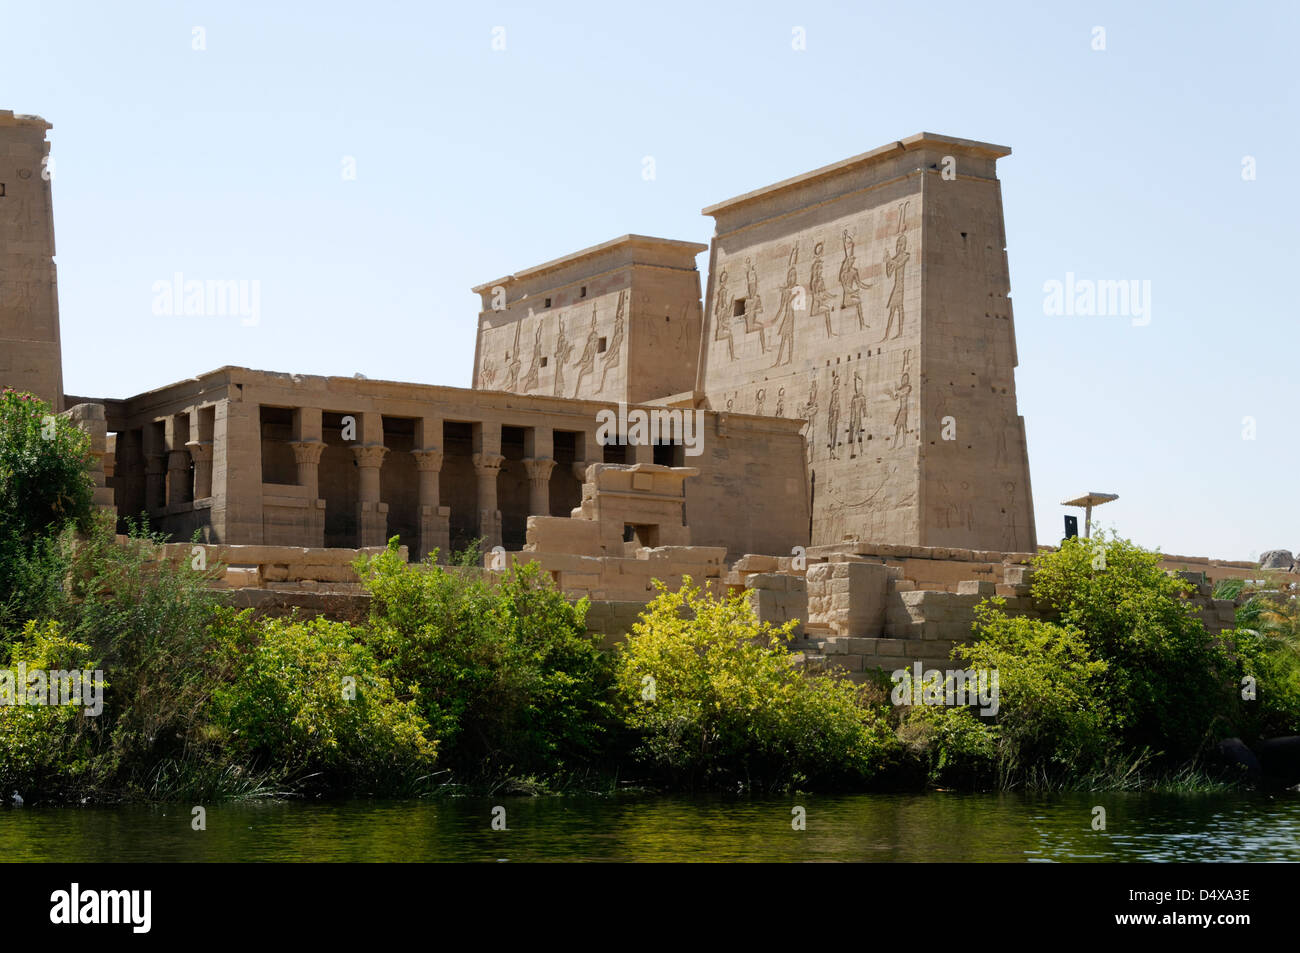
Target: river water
<point>924,827</point>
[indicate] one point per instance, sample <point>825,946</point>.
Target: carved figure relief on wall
<point>534,363</point>
<point>513,363</point>
<point>754,306</point>
<point>785,312</point>
<point>818,295</point>
<point>894,266</point>
<point>902,394</point>
<point>723,304</point>
<point>857,416</point>
<point>810,414</point>
<point>615,347</point>
<point>562,351</point>
<point>587,363</point>
<point>833,416</point>
<point>851,284</point>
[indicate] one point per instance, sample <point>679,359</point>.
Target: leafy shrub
<point>49,751</point>
<point>715,699</point>
<point>1168,683</point>
<point>309,698</point>
<point>502,664</point>
<point>956,747</point>
<point>44,485</point>
<point>1053,718</point>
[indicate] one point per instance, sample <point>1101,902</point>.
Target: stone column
<point>488,468</point>
<point>435,519</point>
<point>201,454</point>
<point>155,482</point>
<point>372,514</point>
<point>306,454</point>
<point>539,485</point>
<point>178,477</point>
<point>237,471</point>
<point>641,453</point>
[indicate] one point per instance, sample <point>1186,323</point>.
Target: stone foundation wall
<point>276,567</point>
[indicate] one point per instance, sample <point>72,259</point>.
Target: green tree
<point>1168,684</point>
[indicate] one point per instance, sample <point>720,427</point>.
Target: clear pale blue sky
<point>226,164</point>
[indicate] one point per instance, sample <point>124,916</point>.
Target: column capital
<point>488,462</point>
<point>371,455</point>
<point>539,468</point>
<point>429,459</point>
<point>580,469</point>
<point>307,451</point>
<point>200,450</point>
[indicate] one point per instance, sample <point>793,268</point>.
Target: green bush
<point>501,664</point>
<point>956,747</point>
<point>49,751</point>
<point>309,702</point>
<point>1053,719</point>
<point>1168,684</point>
<point>715,700</point>
<point>44,486</point>
<point>1274,664</point>
<point>151,621</point>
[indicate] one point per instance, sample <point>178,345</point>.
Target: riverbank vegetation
<point>461,680</point>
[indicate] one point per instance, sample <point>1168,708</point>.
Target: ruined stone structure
<point>252,457</point>
<point>30,354</point>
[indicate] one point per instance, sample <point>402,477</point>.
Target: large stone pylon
<point>30,353</point>
<point>871,297</point>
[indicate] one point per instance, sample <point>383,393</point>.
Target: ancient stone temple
<point>870,298</point>
<point>30,356</point>
<point>844,378</point>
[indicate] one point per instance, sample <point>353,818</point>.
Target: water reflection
<point>928,827</point>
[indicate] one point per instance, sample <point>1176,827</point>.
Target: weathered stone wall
<point>275,567</point>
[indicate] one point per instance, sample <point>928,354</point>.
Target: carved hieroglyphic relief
<point>754,306</point>
<point>615,347</point>
<point>723,303</point>
<point>833,416</point>
<point>513,363</point>
<point>785,312</point>
<point>488,374</point>
<point>902,394</point>
<point>810,414</point>
<point>780,402</point>
<point>562,351</point>
<point>819,296</point>
<point>857,416</point>
<point>851,284</point>
<point>759,397</point>
<point>535,363</point>
<point>587,363</point>
<point>894,268</point>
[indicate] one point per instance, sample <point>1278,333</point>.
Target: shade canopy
<point>1092,499</point>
